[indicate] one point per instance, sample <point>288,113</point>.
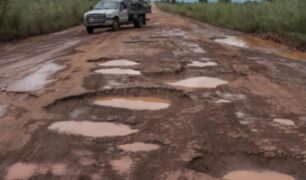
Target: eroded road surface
<point>176,99</point>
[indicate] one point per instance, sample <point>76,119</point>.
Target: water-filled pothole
<point>134,103</point>
<point>257,43</point>
<point>37,79</point>
<point>229,167</point>
<point>202,64</point>
<point>118,71</point>
<point>3,110</point>
<point>122,165</point>
<point>286,122</point>
<point>82,106</point>
<point>199,82</point>
<point>119,62</point>
<point>21,170</point>
<point>232,40</point>
<point>198,50</point>
<point>138,146</point>
<point>91,129</point>
<point>186,175</point>
<point>253,175</point>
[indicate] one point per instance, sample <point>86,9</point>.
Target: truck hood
<point>102,11</point>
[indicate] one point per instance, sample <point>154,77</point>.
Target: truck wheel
<point>144,20</point>
<point>116,25</point>
<point>138,23</point>
<point>90,30</point>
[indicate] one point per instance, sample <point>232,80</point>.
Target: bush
<point>20,19</point>
<point>281,17</point>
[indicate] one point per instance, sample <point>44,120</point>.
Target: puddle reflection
<point>134,103</point>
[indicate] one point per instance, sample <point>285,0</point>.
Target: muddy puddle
<point>233,41</point>
<point>198,50</point>
<point>187,175</point>
<point>176,32</point>
<point>119,62</point>
<point>118,71</point>
<point>3,110</point>
<point>202,64</point>
<point>91,129</point>
<point>134,103</point>
<point>252,175</point>
<point>206,59</point>
<point>194,47</point>
<point>138,146</point>
<point>36,80</point>
<point>22,170</point>
<point>122,165</point>
<point>285,122</point>
<point>223,101</point>
<point>265,45</point>
<point>199,82</point>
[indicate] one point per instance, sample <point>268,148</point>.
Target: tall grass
<point>286,18</point>
<point>24,18</point>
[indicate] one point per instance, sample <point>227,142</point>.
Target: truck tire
<point>144,20</point>
<point>138,22</point>
<point>90,30</point>
<point>116,25</point>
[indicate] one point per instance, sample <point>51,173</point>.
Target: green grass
<point>286,18</point>
<point>24,18</point>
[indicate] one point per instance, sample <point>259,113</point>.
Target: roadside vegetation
<point>285,18</point>
<point>24,18</point>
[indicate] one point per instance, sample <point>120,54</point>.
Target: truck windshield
<point>107,5</point>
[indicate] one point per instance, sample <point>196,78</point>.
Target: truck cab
<point>113,13</point>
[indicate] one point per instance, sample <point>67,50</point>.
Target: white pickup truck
<point>113,13</point>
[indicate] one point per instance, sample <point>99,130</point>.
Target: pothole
<point>265,45</point>
<point>202,64</point>
<point>206,59</point>
<point>174,32</point>
<point>35,80</point>
<point>122,165</point>
<point>22,170</point>
<point>250,166</point>
<point>94,81</point>
<point>232,40</point>
<point>191,44</point>
<point>199,82</point>
<point>134,103</point>
<point>198,50</point>
<point>138,146</point>
<point>119,62</point>
<point>186,175</point>
<point>126,100</point>
<point>3,110</point>
<point>285,122</point>
<point>118,71</point>
<point>222,101</point>
<point>253,175</point>
<point>91,129</point>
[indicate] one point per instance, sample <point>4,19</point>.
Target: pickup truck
<point>113,13</point>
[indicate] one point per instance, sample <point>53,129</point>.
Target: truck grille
<point>95,18</point>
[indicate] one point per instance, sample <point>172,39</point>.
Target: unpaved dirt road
<point>177,105</point>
